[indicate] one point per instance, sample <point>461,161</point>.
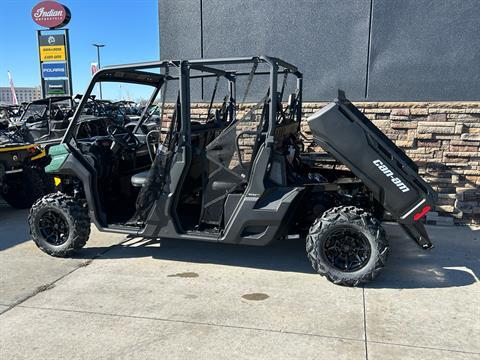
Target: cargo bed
<point>343,131</point>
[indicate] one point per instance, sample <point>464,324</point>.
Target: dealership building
<point>24,94</point>
<point>412,66</point>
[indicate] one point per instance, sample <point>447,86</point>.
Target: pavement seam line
<point>246,328</point>
<point>50,285</point>
<point>365,322</point>
<point>42,288</point>
<point>424,347</point>
<point>191,322</point>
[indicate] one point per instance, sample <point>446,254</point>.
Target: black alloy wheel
<point>346,249</point>
<point>53,227</point>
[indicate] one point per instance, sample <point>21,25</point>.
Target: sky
<point>128,28</point>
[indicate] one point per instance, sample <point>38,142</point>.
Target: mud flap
<point>418,233</point>
<point>392,177</point>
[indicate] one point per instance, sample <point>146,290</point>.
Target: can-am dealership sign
<point>51,14</point>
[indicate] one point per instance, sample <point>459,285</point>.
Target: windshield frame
<point>30,107</point>
<point>121,74</point>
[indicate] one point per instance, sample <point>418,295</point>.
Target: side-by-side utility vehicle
<point>22,179</point>
<point>234,172</point>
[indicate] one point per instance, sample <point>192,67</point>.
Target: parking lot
<point>139,299</point>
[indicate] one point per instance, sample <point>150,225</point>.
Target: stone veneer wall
<point>442,138</point>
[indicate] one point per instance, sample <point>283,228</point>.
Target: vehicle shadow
<point>13,226</point>
<point>453,262</point>
<point>286,255</point>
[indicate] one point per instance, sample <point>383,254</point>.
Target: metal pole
<point>98,59</point>
<point>69,64</point>
<point>98,46</point>
<point>42,82</point>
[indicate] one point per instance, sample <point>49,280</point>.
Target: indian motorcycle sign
<point>51,14</point>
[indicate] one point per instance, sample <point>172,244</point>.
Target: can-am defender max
<point>236,174</point>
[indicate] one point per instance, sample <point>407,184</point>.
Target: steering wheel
<point>123,136</point>
<point>33,118</point>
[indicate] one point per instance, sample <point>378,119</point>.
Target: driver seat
<point>139,180</point>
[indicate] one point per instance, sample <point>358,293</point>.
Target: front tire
<point>59,224</point>
<point>347,245</point>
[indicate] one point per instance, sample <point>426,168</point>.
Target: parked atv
<point>235,173</point>
<point>22,179</point>
<point>44,120</point>
<point>10,114</point>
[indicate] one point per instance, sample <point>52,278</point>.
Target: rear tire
<point>22,189</point>
<point>347,245</point>
<point>59,224</point>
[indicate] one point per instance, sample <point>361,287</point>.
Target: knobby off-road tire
<point>59,224</point>
<point>24,188</point>
<point>335,234</point>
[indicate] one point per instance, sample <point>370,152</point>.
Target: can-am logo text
<point>389,173</point>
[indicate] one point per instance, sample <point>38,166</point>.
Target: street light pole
<point>98,46</point>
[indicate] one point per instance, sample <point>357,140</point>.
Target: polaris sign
<point>54,70</point>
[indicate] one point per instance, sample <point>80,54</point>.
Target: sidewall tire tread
<point>76,215</point>
<point>362,221</point>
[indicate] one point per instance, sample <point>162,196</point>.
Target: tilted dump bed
<point>342,130</point>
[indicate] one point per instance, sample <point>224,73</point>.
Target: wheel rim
<point>53,227</point>
<point>346,249</point>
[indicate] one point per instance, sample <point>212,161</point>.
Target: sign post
<point>53,48</point>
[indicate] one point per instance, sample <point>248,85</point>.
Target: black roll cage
<point>137,73</point>
<point>47,101</point>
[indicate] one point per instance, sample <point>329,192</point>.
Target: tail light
<point>422,213</point>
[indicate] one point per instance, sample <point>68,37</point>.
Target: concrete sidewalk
<point>141,300</point>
